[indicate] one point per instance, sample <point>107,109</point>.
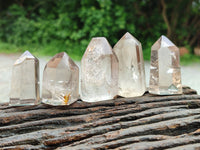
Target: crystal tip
<point>127,35</point>
<point>165,42</point>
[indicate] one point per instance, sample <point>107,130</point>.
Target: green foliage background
<point>51,26</point>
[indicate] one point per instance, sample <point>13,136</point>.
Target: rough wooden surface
<point>147,122</point>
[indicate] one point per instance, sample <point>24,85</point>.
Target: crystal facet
<point>131,66</point>
<point>25,81</point>
<point>99,71</point>
<point>165,73</point>
<point>60,81</point>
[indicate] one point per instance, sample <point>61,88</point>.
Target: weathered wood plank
<point>147,122</point>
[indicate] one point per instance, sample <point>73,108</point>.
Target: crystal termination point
<point>131,66</point>
<point>99,71</point>
<point>25,81</point>
<point>165,72</point>
<point>60,81</point>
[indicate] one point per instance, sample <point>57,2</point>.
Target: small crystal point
<point>165,72</point>
<point>99,71</point>
<point>60,81</point>
<point>131,66</point>
<point>25,81</point>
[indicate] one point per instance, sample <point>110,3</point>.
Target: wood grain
<point>147,122</point>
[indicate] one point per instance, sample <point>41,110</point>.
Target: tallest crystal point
<point>165,74</point>
<point>99,71</point>
<point>25,81</point>
<point>131,66</point>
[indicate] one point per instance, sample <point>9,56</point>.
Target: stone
<point>25,86</point>
<point>183,51</point>
<point>197,51</point>
<point>165,71</point>
<point>131,80</point>
<point>60,81</point>
<point>99,71</point>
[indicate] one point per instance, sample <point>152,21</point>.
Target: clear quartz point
<point>25,81</point>
<point>165,72</point>
<point>99,71</point>
<point>60,81</point>
<point>131,66</point>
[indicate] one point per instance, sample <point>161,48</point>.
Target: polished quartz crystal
<point>165,73</point>
<point>25,81</point>
<point>60,81</point>
<point>131,66</point>
<point>99,71</point>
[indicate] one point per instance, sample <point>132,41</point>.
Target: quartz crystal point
<point>25,81</point>
<point>60,81</point>
<point>131,66</point>
<point>99,71</point>
<point>165,73</point>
